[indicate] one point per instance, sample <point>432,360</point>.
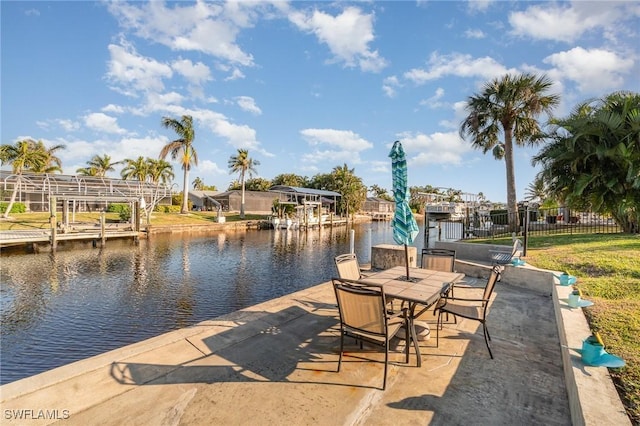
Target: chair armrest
<point>464,299</point>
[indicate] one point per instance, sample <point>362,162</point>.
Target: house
<point>378,208</point>
<point>203,200</point>
<point>256,202</point>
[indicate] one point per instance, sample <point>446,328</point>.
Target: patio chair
<point>363,316</point>
<point>476,309</point>
<point>501,257</point>
<point>348,266</point>
<point>438,259</point>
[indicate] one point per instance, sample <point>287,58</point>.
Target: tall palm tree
<point>508,106</point>
<point>181,149</point>
<point>243,164</point>
<point>22,156</point>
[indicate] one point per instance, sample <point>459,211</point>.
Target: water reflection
<point>60,307</point>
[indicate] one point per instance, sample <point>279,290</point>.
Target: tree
<point>159,171</point>
<point>135,169</point>
<point>198,184</point>
<point>258,184</point>
<point>52,162</point>
<point>99,165</point>
<point>181,149</point>
<point>289,179</point>
<point>241,163</point>
<point>537,191</point>
<point>22,156</point>
<point>594,157</point>
<point>353,191</point>
<point>508,106</point>
<point>380,192</point>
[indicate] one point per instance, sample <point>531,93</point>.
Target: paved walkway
<point>274,364</point>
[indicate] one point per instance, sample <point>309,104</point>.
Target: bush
<point>169,209</point>
<point>117,208</point>
<point>16,208</point>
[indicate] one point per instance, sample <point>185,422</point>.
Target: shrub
<point>16,208</point>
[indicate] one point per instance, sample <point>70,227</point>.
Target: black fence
<point>540,222</point>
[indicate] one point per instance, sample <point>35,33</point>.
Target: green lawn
<point>608,271</point>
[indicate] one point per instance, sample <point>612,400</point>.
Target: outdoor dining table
<point>423,289</point>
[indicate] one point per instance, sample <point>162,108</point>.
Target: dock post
<point>103,236</point>
<point>52,222</point>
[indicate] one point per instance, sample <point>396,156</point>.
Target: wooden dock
<point>41,237</point>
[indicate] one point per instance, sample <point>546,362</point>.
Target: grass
<point>608,271</point>
<point>606,265</point>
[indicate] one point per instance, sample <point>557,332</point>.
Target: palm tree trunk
<point>13,196</point>
<point>512,201</point>
<point>185,192</point>
<point>242,200</point>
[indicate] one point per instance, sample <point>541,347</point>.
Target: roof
<point>299,190</point>
<point>379,200</point>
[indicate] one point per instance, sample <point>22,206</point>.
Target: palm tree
<point>350,186</point>
<point>101,165</point>
<point>22,156</point>
<point>51,163</point>
<point>182,149</point>
<point>508,106</point>
<point>198,184</point>
<point>243,164</point>
<point>159,171</point>
<point>135,169</point>
<point>537,191</point>
<point>594,158</point>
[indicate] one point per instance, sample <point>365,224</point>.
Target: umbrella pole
<point>406,259</point>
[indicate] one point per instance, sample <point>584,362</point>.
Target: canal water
<point>61,307</point>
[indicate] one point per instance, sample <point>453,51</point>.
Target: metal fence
<point>540,222</point>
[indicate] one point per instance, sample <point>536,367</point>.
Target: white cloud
<point>101,122</point>
<point>458,64</point>
<point>551,21</point>
<point>348,144</point>
<point>474,33</point>
<point>195,74</point>
<point>593,70</point>
<point>247,103</point>
<point>211,28</point>
<point>116,109</point>
<point>208,166</point>
<point>347,35</point>
<point>132,73</point>
<point>436,148</point>
<point>389,86</point>
<point>343,139</point>
<point>480,5</point>
<point>434,101</point>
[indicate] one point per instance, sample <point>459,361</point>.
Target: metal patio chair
<point>476,309</point>
<point>363,316</point>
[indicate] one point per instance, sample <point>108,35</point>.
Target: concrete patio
<point>275,363</point>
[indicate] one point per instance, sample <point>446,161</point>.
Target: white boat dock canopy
<point>299,196</point>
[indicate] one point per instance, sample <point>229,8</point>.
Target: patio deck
<point>274,364</point>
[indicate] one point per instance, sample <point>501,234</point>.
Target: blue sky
<point>304,86</point>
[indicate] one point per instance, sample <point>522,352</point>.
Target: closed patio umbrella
<point>405,228</point>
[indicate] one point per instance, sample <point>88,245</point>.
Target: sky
<point>303,86</point>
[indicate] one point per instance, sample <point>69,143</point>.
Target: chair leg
<point>341,348</point>
<point>438,325</point>
<point>386,362</point>
<point>486,341</point>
